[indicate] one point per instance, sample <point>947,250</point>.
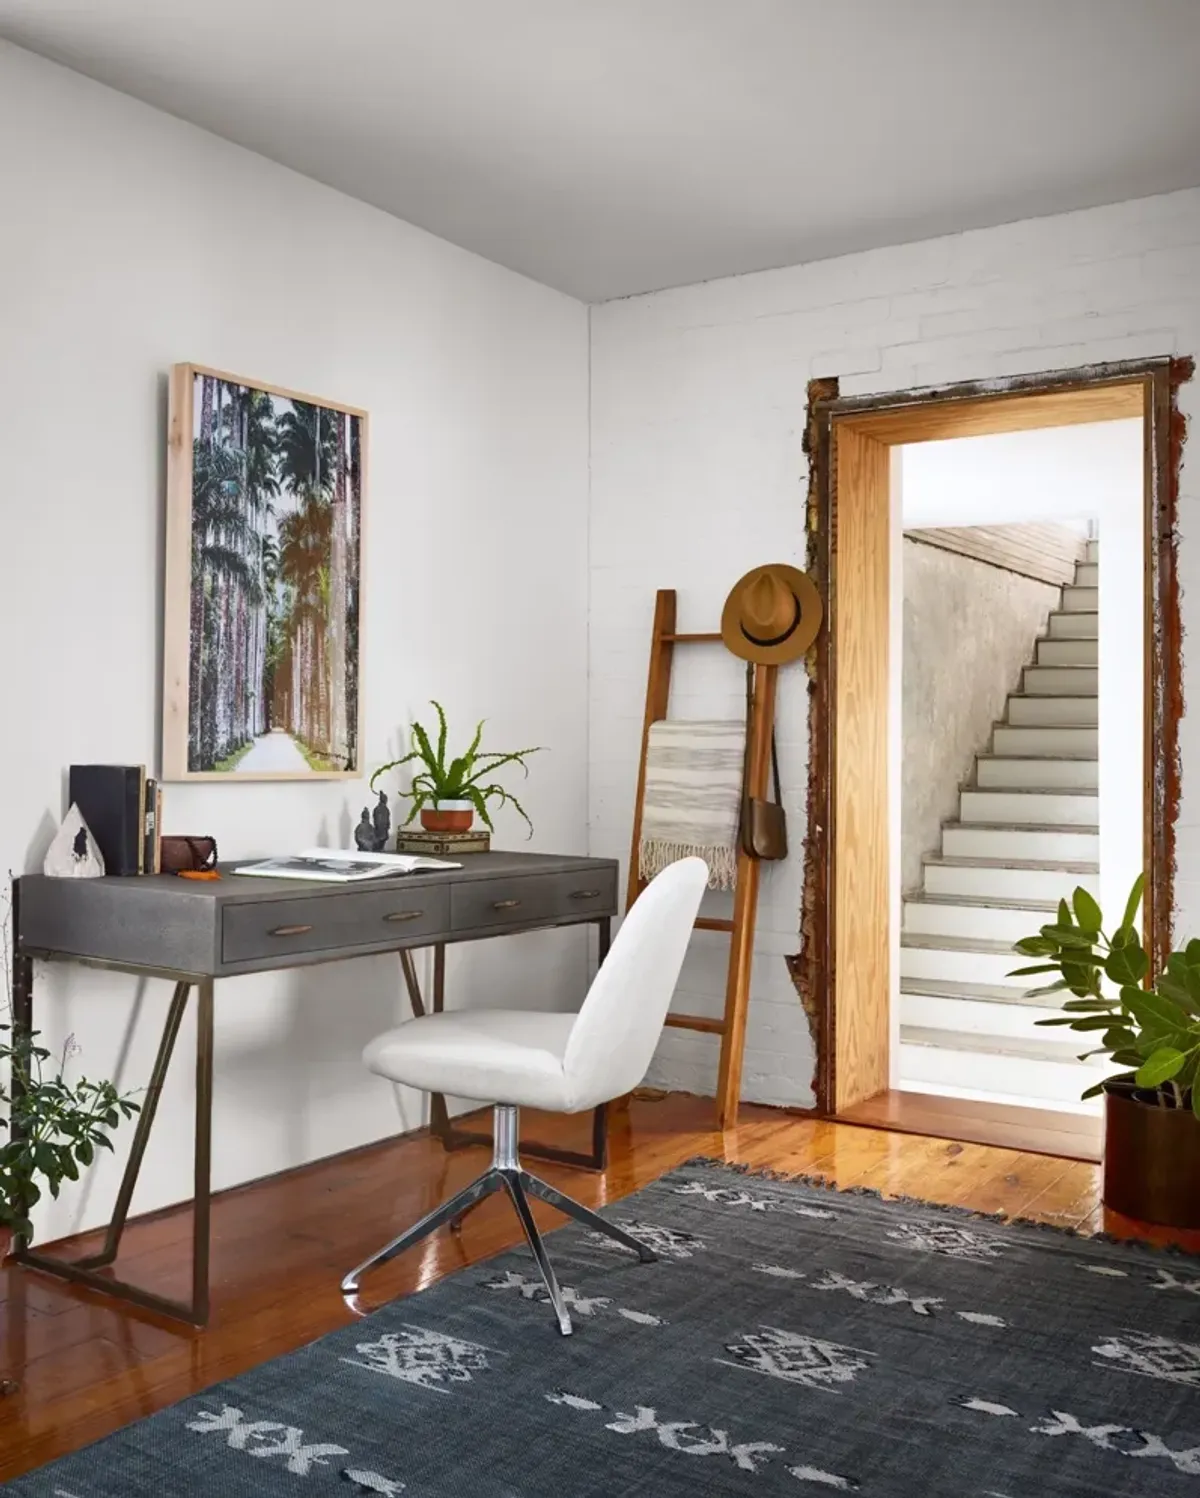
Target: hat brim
<point>798,640</point>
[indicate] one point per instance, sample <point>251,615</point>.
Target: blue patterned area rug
<point>791,1340</point>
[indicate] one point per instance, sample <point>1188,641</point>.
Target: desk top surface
<point>252,887</point>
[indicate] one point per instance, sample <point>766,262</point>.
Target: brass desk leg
<point>86,1271</point>
<point>133,1166</point>
<point>454,1138</point>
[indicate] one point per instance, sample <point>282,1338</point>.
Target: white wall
<point>1055,475</point>
<point>698,403</point>
<point>131,241</point>
<point>1067,475</point>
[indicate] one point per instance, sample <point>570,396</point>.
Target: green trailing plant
<point>50,1126</point>
<point>463,777</point>
<point>1153,1031</point>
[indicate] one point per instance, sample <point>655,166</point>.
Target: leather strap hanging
<point>764,823</point>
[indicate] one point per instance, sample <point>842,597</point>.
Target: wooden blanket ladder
<point>731,1027</point>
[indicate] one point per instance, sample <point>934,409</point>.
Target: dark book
<point>112,801</point>
<point>150,828</point>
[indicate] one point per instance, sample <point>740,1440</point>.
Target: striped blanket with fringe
<point>693,797</point>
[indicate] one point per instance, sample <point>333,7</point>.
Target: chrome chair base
<point>506,1174</point>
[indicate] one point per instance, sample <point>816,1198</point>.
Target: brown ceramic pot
<point>448,816</point>
<point>1151,1159</point>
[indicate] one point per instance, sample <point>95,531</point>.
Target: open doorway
<point>1022,668</point>
<point>852,908</point>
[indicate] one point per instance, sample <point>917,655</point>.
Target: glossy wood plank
<point>1037,1130</point>
<point>861,622</point>
<point>985,416</point>
<point>280,1247</point>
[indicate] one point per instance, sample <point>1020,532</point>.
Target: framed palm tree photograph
<point>263,584</point>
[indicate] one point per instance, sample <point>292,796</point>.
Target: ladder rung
<point>696,1022</point>
<point>706,639</point>
<point>713,923</point>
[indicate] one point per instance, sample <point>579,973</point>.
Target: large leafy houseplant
<point>464,777</point>
<point>1153,1032</point>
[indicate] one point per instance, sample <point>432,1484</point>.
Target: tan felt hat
<point>772,615</point>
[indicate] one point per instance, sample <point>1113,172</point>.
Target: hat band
<point>776,639</point>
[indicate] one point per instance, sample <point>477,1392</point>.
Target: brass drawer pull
<point>404,915</point>
<point>585,894</point>
<point>505,904</point>
<point>290,930</point>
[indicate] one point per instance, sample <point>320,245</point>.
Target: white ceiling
<point>615,146</point>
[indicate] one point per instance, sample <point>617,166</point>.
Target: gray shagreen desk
<point>194,932</point>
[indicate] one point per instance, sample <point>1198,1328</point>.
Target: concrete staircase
<point>1027,833</point>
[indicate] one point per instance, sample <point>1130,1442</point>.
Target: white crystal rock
<point>73,854</point>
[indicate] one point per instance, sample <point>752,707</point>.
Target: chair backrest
<point>614,1036</point>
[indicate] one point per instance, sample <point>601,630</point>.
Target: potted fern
<point>1152,1036</point>
<point>448,790</point>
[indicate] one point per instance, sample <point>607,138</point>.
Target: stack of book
<point>123,810</point>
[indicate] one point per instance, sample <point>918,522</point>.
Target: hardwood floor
<point>1041,1131</point>
<point>281,1246</point>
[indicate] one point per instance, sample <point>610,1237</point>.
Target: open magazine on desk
<point>341,866</point>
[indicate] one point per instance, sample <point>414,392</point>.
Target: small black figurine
<point>382,819</point>
<point>371,834</point>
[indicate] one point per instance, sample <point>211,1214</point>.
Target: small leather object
<point>189,855</point>
<point>764,823</point>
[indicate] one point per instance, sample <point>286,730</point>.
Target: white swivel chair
<point>563,1062</point>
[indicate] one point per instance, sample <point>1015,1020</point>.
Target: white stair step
<point>1080,626</point>
<point>949,959</point>
<point>1030,844</point>
<point>1072,712</point>
<point>959,1014</point>
<point>977,919</point>
<point>1060,681</point>
<point>1068,653</point>
<point>1081,600</point>
<point>984,880</point>
<point>1030,808</point>
<point>1092,553</point>
<point>1027,1070</point>
<point>1087,575</point>
<point>1039,772</point>
<point>1022,741</point>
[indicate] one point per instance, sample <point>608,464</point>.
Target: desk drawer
<point>364,918</point>
<point>525,900</point>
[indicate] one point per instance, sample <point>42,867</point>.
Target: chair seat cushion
<point>495,1056</point>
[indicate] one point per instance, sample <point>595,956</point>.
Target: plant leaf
<point>1161,1067</point>
<point>443,732</point>
<point>1087,912</point>
<point>1173,985</point>
<point>1135,899</point>
<point>1127,965</point>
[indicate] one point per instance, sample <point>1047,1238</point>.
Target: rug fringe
<point>948,1209</point>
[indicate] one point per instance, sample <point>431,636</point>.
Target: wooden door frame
<point>843,972</point>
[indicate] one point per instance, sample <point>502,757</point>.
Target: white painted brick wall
<point>698,399</point>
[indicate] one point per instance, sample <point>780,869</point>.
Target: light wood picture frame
<point>263,594</point>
